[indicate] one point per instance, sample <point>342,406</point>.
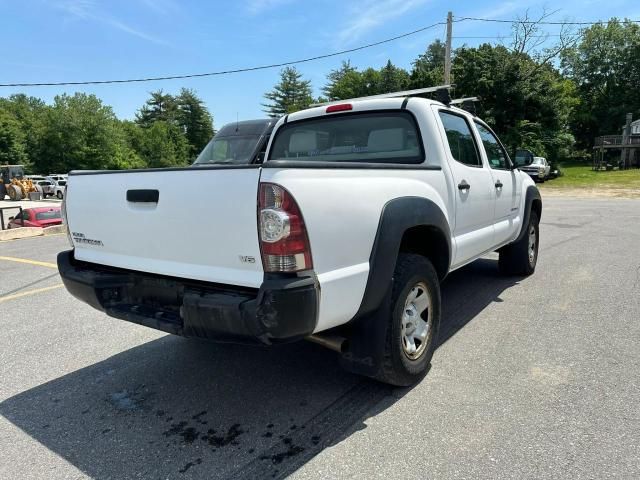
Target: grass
<point>581,176</point>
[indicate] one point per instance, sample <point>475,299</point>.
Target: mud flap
<point>365,350</point>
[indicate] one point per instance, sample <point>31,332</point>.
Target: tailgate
<point>203,225</point>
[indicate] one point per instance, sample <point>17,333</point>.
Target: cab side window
<point>495,153</point>
<point>461,142</point>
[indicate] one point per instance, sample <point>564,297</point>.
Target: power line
<point>294,62</point>
<point>505,36</point>
<point>496,20</point>
<point>224,72</point>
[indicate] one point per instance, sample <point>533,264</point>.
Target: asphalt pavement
<point>534,378</point>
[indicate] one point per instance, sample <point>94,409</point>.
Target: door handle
<point>499,184</point>
<point>143,196</point>
<point>463,185</point>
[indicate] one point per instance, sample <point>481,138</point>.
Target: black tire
<point>397,367</point>
<point>515,258</point>
<point>59,194</point>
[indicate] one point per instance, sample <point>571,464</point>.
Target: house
<point>621,151</point>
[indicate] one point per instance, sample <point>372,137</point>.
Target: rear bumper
<point>282,310</point>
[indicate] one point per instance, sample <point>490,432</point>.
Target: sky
<point>79,40</point>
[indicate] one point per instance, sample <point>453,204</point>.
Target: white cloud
<point>370,14</point>
<point>90,11</point>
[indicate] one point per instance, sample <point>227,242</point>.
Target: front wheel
<point>59,194</point>
<point>415,319</point>
<point>521,257</point>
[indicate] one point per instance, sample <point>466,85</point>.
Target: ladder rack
<point>404,93</point>
<point>460,101</point>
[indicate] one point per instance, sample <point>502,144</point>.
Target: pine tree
<point>392,79</point>
<point>160,107</point>
<point>290,94</point>
<point>194,119</point>
<point>345,82</point>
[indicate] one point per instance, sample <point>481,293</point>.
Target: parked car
<point>54,177</point>
<point>341,236</point>
<point>538,169</point>
<point>37,217</point>
<point>60,189</point>
<point>48,188</point>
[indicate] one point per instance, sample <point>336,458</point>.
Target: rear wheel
<point>414,322</point>
<point>59,194</point>
<point>520,258</point>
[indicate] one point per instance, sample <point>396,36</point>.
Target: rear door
<point>505,184</point>
<point>194,223</point>
<point>473,185</point>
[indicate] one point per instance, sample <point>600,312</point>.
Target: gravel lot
<point>534,378</point>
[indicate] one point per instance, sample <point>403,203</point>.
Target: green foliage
<point>28,111</point>
<point>605,65</point>
<point>12,140</point>
<point>527,103</point>
<point>345,82</point>
<point>195,121</point>
<point>290,94</point>
<point>348,82</point>
<point>160,107</point>
<point>428,68</point>
<point>79,132</point>
<point>392,78</point>
<point>163,145</point>
<point>187,112</point>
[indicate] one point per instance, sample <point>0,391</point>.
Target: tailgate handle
<point>143,196</point>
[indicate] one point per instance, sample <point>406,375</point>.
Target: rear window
<point>50,215</point>
<point>384,137</point>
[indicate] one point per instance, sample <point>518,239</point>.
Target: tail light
<point>283,236</point>
<point>341,107</point>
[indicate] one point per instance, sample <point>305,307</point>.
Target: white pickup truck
<point>341,235</point>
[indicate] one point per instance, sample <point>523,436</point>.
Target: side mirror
<point>523,158</point>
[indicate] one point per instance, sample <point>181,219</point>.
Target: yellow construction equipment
<point>14,184</point>
<point>19,189</point>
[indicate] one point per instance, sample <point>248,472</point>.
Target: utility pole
<point>447,51</point>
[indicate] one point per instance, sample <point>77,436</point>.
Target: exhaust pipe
<point>332,342</point>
